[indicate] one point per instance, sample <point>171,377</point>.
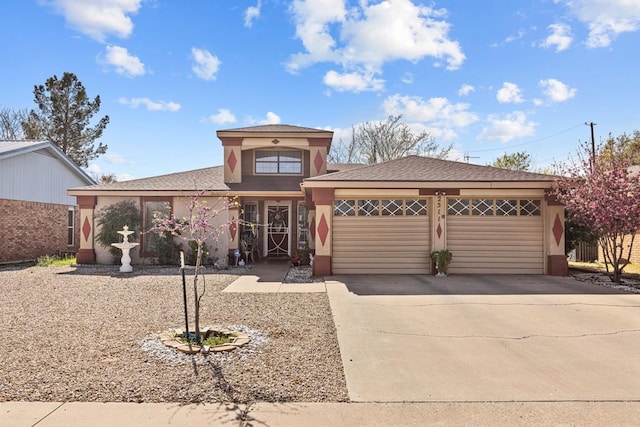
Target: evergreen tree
<point>63,116</point>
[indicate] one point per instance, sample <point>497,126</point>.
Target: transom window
<point>279,162</point>
<point>494,207</point>
<point>380,207</point>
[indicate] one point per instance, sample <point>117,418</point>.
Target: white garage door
<point>385,236</point>
<point>495,236</point>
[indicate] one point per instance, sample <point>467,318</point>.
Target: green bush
<point>168,250</point>
<point>113,218</point>
<point>192,253</point>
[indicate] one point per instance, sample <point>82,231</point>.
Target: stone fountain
<point>125,246</point>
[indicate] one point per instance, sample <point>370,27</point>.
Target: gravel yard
<point>90,334</point>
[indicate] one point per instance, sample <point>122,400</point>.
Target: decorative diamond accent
<point>439,231</point>
<point>86,228</point>
<point>318,162</point>
<point>344,208</point>
<point>275,141</point>
<point>232,161</point>
<point>416,207</point>
<point>392,207</point>
<point>233,228</point>
<point>323,229</point>
<point>558,230</point>
<point>458,206</point>
<point>529,207</point>
<point>312,227</point>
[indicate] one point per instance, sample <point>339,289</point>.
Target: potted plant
<point>442,259</point>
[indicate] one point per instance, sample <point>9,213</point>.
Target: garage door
<point>495,236</point>
<point>385,236</point>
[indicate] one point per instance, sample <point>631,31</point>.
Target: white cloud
<point>560,37</point>
<point>510,39</point>
<point>251,14</point>
<point>206,65</point>
<point>606,19</point>
<point>94,170</point>
<point>150,105</point>
<point>556,91</point>
<point>466,89</point>
<point>124,63</point>
<point>223,116</point>
<point>116,159</point>
<point>124,176</point>
<point>353,82</point>
<point>271,118</point>
<point>509,93</point>
<point>504,128</point>
<point>98,18</point>
<point>367,36</point>
<point>437,115</point>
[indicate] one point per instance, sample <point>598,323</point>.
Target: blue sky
<point>490,77</point>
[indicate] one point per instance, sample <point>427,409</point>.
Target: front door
<point>278,239</point>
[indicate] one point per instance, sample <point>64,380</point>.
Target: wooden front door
<point>278,239</point>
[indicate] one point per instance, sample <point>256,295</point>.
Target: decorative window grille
<point>70,227</point>
<point>367,207</point>
<point>458,206</point>
<point>416,207</point>
<point>530,208</point>
<point>303,226</point>
<point>344,207</point>
<point>391,207</point>
<point>506,207</point>
<point>482,207</point>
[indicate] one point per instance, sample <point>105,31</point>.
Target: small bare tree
<point>11,123</point>
<point>201,224</point>
<point>375,142</point>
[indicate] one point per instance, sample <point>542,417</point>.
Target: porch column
<point>323,199</point>
<point>234,230</point>
<point>439,223</point>
<point>557,264</point>
<point>86,254</point>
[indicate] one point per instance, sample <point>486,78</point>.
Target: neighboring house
<point>381,218</point>
<point>37,216</point>
<point>634,258</point>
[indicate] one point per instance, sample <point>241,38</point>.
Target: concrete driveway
<point>486,338</point>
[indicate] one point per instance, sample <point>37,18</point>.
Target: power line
<point>526,143</point>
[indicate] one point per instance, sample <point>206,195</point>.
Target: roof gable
<point>15,148</point>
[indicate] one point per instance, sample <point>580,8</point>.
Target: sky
<point>490,77</point>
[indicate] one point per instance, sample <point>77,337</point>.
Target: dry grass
<point>631,270</point>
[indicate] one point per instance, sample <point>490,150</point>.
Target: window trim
<point>71,228</point>
<point>276,152</point>
<point>143,200</point>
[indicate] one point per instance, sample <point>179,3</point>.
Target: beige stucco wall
<point>218,247</point>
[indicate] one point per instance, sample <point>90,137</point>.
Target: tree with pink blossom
<point>603,196</point>
<point>201,224</point>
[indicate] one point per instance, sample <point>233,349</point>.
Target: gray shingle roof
<point>426,169</point>
<point>211,179</point>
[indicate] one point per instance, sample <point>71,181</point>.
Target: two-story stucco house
<point>381,218</point>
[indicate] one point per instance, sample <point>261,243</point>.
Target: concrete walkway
<point>18,414</point>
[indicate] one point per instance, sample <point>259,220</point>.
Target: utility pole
<point>593,146</point>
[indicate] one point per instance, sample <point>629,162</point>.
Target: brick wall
<point>635,251</point>
<point>29,230</point>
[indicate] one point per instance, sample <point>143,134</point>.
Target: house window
<point>303,226</point>
<point>70,225</point>
<point>367,207</point>
<point>458,206</point>
<point>392,207</point>
<point>529,207</point>
<point>344,208</point>
<point>279,162</point>
<point>152,207</point>
<point>250,222</point>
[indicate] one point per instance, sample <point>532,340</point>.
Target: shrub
<point>111,219</point>
<point>168,250</point>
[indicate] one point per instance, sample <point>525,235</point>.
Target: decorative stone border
<point>171,338</point>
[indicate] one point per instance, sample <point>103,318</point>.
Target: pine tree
<point>63,116</point>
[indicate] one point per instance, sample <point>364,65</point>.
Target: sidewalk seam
<point>47,415</point>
